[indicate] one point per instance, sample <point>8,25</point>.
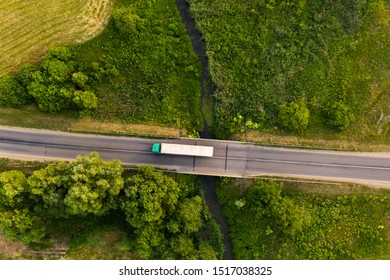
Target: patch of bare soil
<point>10,250</point>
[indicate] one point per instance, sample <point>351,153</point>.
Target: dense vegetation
<point>140,69</point>
<point>268,55</point>
<point>165,218</point>
<point>267,222</point>
<point>59,83</point>
<point>159,71</point>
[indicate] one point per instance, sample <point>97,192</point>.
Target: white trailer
<point>185,150</point>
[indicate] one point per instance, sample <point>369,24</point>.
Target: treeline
<point>300,66</point>
<point>166,219</point>
<point>267,222</point>
<point>59,83</point>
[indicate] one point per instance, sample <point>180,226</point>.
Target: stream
<point>209,182</point>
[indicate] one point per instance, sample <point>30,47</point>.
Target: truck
<point>185,150</point>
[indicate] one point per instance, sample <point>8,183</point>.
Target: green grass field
<point>266,53</point>
<point>28,30</point>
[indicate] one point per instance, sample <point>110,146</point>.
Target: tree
<point>60,53</point>
<point>27,74</point>
<point>57,70</point>
<point>149,203</point>
<point>79,79</point>
<point>148,239</point>
<point>189,212</point>
<point>339,116</point>
<point>93,185</point>
<point>126,20</point>
<point>266,200</point>
<point>53,98</point>
<point>86,186</point>
<point>183,247</point>
<point>149,197</point>
<point>294,116</point>
<point>48,187</point>
<point>85,99</point>
<point>13,185</point>
<point>21,225</point>
<point>12,92</point>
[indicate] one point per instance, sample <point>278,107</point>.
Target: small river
<point>209,182</point>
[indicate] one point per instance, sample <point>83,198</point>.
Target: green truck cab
<point>156,148</point>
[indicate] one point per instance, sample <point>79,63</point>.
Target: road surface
<point>230,158</point>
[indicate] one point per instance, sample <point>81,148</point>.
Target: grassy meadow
<point>267,53</point>
<point>28,30</point>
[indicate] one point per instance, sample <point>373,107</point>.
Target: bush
<point>294,116</point>
<point>85,99</point>
<point>339,116</point>
<point>126,20</point>
<point>12,92</point>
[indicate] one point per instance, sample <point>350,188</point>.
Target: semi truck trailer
<point>185,150</point>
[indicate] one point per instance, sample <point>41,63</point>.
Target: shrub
<point>12,92</point>
<point>294,116</point>
<point>85,99</point>
<point>339,116</point>
<point>126,20</point>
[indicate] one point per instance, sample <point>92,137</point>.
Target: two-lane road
<point>230,158</point>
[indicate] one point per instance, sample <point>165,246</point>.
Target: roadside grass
<point>28,30</point>
<point>27,167</point>
<point>315,141</point>
<point>31,117</point>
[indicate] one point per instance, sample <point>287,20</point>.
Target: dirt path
<point>209,183</point>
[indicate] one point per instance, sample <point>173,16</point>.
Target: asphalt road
<point>230,158</point>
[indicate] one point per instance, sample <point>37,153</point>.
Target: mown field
<point>298,220</point>
<point>330,58</point>
<point>28,30</point>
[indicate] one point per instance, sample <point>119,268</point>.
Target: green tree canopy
<point>48,187</point>
<point>13,185</point>
<point>21,225</point>
<point>149,197</point>
<point>339,116</point>
<point>93,185</point>
<point>189,212</point>
<point>126,20</point>
<point>266,199</point>
<point>79,79</point>
<point>85,99</point>
<point>57,70</point>
<point>86,186</point>
<point>12,92</point>
<point>294,116</point>
<point>61,53</point>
